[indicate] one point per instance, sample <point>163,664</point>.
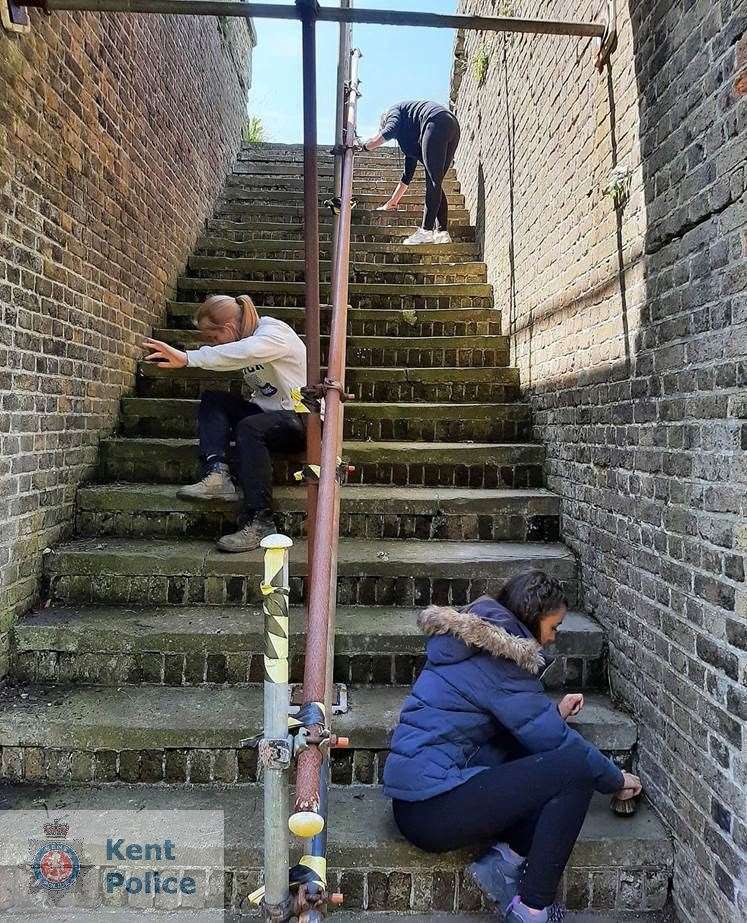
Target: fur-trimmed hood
<point>485,626</point>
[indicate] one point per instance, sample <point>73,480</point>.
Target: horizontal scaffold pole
<point>326,14</point>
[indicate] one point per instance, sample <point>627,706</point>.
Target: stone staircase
<point>136,681</point>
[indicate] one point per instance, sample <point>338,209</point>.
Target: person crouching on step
<point>273,360</point>
<point>481,754</point>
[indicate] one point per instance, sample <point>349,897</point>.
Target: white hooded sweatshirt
<point>273,361</point>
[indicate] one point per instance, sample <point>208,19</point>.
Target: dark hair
<point>532,595</point>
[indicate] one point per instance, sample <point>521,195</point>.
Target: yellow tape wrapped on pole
<point>275,749</point>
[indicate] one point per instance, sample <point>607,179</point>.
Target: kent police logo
<point>55,862</point>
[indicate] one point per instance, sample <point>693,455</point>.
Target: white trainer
<point>421,236</point>
<point>442,237</point>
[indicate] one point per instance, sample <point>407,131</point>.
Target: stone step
<point>362,214</point>
<point>365,194</point>
<point>457,386</point>
<point>377,183</point>
<point>385,170</point>
<point>572,916</point>
<point>292,270</point>
<point>364,166</point>
<point>454,352</point>
<point>142,572</point>
<point>405,297</point>
<point>417,513</point>
<point>423,322</point>
<point>164,418</point>
<point>193,646</point>
<point>193,734</point>
<point>389,254</point>
<point>290,227</point>
<point>617,863</point>
<point>175,461</point>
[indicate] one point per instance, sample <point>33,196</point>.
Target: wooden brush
<point>625,808</point>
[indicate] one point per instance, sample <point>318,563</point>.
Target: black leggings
<point>438,145</point>
<point>257,433</point>
<point>537,804</point>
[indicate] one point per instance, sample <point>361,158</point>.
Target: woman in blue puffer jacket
<point>482,754</point>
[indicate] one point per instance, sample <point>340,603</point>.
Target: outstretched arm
<point>395,199</point>
<point>374,142</point>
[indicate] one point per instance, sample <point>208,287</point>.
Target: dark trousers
<point>536,804</point>
<point>438,145</point>
<point>257,434</point>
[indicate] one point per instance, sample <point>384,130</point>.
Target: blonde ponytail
<point>222,312</point>
<point>249,316</point>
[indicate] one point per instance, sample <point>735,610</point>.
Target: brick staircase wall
<point>111,156</point>
<point>628,329</point>
<point>140,673</point>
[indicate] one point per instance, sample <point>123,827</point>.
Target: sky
<point>399,63</point>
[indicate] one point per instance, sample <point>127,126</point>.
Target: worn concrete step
<point>457,386</point>
<point>165,727</point>
<point>412,464</point>
<point>364,196</point>
<point>411,352</point>
<point>293,270</point>
<point>292,294</point>
<point>417,513</point>
<point>389,573</point>
<point>290,227</point>
<point>572,916</point>
<point>379,184</point>
<point>364,214</point>
<point>193,646</point>
<point>291,168</point>
<point>390,254</point>
<point>423,322</point>
<point>234,201</point>
<point>617,863</point>
<point>162,417</point>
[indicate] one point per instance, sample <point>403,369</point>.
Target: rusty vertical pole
<point>308,10</point>
<point>343,77</point>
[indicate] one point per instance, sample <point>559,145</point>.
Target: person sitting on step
<point>273,360</point>
<point>429,133</point>
<point>482,754</point>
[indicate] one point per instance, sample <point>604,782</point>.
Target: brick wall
<point>115,136</point>
<point>630,331</point>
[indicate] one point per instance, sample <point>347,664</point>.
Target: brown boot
<point>216,485</point>
<point>249,537</point>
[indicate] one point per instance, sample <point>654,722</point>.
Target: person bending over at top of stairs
<point>429,133</point>
<point>273,360</point>
<point>482,754</point>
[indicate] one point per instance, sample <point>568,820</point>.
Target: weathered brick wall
<point>116,133</point>
<point>629,329</point>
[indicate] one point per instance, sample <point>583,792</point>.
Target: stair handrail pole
<point>343,77</point>
<point>308,10</point>
<point>310,762</point>
<point>275,749</point>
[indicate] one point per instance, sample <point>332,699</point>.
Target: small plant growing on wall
<point>480,66</point>
<point>618,186</point>
<point>254,130</point>
<point>506,8</point>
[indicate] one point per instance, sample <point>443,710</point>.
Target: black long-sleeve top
<point>406,122</point>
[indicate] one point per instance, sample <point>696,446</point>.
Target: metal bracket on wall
<point>606,44</point>
<point>14,18</point>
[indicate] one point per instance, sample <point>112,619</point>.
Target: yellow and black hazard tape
<point>275,605</point>
<point>335,204</point>
<point>311,870</point>
<point>314,472</point>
